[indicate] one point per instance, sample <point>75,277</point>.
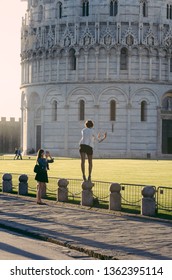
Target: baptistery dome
<point>105,60</point>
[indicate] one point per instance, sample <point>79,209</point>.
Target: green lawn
<point>146,172</point>
<point>126,171</point>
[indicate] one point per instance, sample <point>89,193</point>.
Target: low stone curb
<point>66,244</point>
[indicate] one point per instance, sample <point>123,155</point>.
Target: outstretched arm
<point>101,139</point>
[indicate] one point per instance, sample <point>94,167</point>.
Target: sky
<point>11,13</point>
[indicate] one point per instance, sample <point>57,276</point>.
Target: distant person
<point>19,155</point>
<point>16,153</point>
<point>41,177</point>
<point>87,145</point>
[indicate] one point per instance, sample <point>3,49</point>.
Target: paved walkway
<point>100,233</point>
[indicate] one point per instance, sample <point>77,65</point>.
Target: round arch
<point>80,89</point>
<point>113,95</point>
<point>147,91</point>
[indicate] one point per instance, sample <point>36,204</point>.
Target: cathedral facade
<point>105,60</point>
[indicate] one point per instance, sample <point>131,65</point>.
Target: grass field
<point>146,172</point>
<point>126,171</point>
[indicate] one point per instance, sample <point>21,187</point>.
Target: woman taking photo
<point>42,176</point>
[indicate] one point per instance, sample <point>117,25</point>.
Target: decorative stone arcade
<point>97,60</point>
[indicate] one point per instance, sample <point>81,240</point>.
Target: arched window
<point>124,59</point>
<point>112,110</point>
<point>145,9</point>
<point>54,111</point>
<point>40,13</point>
<point>169,11</point>
<point>113,7</point>
<point>167,103</point>
<point>143,115</point>
<point>58,10</point>
<point>81,110</point>
<point>72,60</point>
<point>85,8</point>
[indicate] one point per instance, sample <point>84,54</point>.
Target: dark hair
<point>89,124</point>
<point>40,152</point>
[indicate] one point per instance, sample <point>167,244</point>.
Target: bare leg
<point>83,165</point>
<point>90,166</point>
<point>39,191</point>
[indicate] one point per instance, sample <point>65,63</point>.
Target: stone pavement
<point>102,234</point>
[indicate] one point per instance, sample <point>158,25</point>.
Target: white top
<point>88,137</point>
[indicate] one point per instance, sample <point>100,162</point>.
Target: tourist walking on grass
<point>19,155</point>
<point>16,153</point>
<point>86,146</point>
<point>42,176</point>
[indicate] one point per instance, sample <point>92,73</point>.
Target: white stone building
<point>105,60</point>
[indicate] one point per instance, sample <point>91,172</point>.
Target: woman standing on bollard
<point>86,146</point>
<point>42,175</point>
